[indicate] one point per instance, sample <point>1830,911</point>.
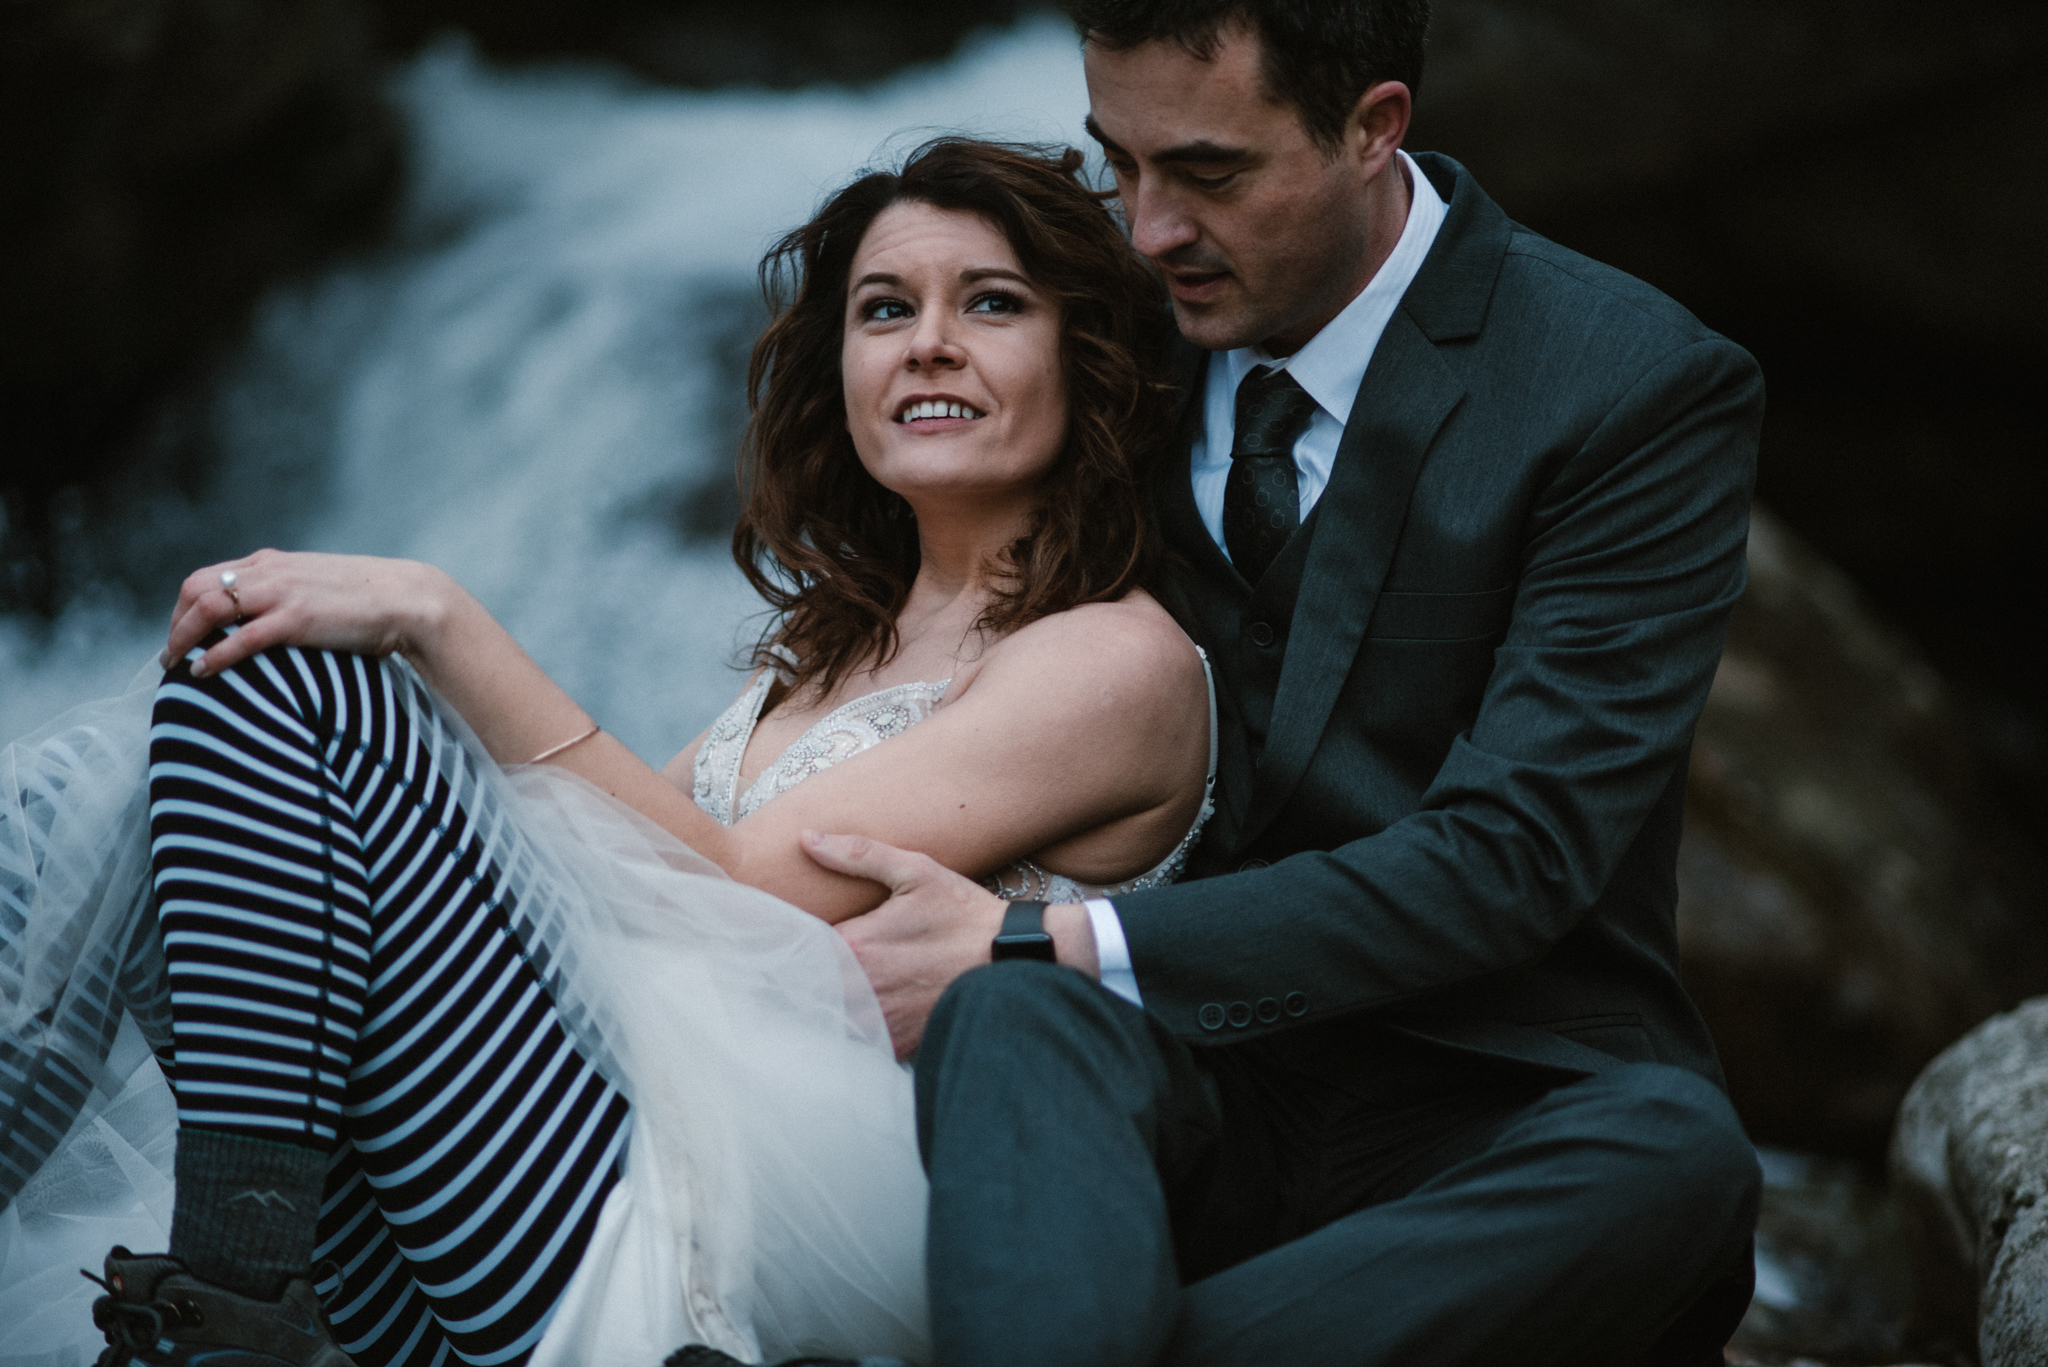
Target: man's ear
<point>1377,127</point>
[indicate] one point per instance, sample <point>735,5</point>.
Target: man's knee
<point>1670,1144</point>
<point>1016,1026</point>
<point>1013,1009</point>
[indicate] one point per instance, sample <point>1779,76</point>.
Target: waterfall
<point>537,386</point>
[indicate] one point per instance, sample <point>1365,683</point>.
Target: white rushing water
<point>527,383</point>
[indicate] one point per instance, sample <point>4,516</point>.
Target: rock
<point>1970,1165</point>
<point>1832,1275</point>
<point>167,160</point>
<point>1849,902</point>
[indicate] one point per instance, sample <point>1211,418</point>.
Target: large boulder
<point>1849,901</point>
<point>1970,1167</point>
<point>167,160</point>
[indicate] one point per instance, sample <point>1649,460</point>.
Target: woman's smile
<point>937,413</point>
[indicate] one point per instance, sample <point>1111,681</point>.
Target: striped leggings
<point>347,973</point>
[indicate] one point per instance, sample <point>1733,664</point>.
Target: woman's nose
<point>934,346</point>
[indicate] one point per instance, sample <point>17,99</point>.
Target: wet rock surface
<point>1970,1165</point>
<point>1850,899</point>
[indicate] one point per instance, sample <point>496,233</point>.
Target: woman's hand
<point>359,603</point>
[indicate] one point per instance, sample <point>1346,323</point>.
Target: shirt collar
<point>1331,366</point>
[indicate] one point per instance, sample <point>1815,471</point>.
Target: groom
<point>1404,1073</point>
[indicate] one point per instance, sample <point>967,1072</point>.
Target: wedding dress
<point>772,1202</point>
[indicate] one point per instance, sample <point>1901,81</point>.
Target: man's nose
<point>1160,224</point>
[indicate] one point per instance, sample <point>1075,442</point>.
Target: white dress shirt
<point>1330,367</point>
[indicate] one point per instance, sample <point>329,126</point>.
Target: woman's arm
<point>1083,738</point>
<point>1088,728</point>
<point>376,606</point>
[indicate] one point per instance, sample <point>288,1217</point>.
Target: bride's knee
<point>302,684</point>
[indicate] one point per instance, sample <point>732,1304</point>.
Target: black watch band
<point>1023,935</point>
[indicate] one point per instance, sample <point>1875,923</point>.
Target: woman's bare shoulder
<point>1131,647</point>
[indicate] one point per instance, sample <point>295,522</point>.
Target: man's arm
<point>934,926</point>
<point>1632,562</point>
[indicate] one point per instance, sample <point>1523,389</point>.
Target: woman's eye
<point>884,310</point>
<point>1213,182</point>
<point>996,301</point>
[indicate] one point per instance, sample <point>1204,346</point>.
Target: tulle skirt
<point>772,1202</point>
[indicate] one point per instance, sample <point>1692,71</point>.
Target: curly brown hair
<point>833,551</point>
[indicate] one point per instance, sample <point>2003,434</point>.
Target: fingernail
<point>199,669</point>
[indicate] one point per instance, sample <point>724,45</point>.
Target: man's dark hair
<point>1320,55</point>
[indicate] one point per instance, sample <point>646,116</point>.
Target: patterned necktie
<point>1262,500</point>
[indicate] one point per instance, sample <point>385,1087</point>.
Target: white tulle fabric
<point>74,870</point>
<point>772,1203</point>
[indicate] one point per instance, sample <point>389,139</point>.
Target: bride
<point>543,1062</point>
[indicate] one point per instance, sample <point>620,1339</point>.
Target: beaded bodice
<point>865,722</point>
<point>840,734</point>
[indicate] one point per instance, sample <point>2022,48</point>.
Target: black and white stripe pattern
<point>347,972</point>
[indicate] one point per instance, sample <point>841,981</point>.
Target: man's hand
<point>935,926</point>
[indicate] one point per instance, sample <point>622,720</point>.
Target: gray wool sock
<point>246,1211</point>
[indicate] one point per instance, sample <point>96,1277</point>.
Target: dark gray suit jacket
<point>1453,763</point>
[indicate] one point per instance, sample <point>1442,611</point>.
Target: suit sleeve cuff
<point>1112,951</point>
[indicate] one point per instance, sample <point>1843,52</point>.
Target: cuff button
<point>1297,1004</point>
<point>1210,1017</point>
<point>1240,1014</point>
<point>1269,1010</point>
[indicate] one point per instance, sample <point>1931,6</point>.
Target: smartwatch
<point>1023,935</point>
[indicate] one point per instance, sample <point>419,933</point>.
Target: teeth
<point>937,408</point>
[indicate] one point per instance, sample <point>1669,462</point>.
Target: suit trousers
<point>1105,1193</point>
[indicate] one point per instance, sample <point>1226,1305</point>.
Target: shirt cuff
<point>1112,951</point>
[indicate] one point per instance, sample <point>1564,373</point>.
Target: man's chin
<point>1215,327</point>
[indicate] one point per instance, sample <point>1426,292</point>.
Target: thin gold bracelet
<point>554,750</point>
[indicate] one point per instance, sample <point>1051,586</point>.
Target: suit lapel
<point>1407,394</point>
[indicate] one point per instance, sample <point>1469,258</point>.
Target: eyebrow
<point>1200,152</point>
<point>974,276</point>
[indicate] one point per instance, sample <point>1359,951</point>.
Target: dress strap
<point>1209,683</point>
<point>715,774</point>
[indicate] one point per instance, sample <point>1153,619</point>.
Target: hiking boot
<point>157,1312</point>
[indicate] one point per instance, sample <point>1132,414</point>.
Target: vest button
<point>1297,1004</point>
<point>1210,1017</point>
<point>1262,635</point>
<point>1269,1010</point>
<point>1240,1014</point>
